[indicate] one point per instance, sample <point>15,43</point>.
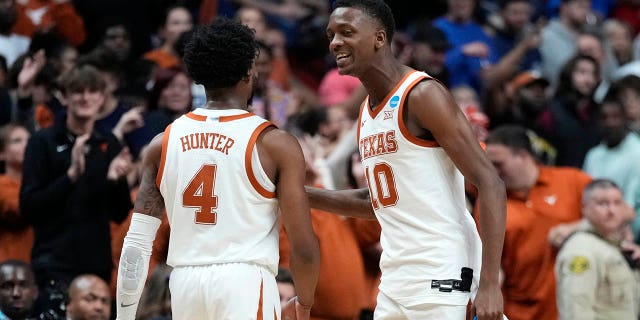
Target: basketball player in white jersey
<point>417,148</point>
<point>222,173</point>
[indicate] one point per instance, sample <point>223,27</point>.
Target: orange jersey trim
<point>236,117</point>
<point>403,128</point>
<point>359,123</point>
<point>196,117</point>
<point>259,315</point>
<point>163,157</point>
<point>247,162</point>
<point>381,105</point>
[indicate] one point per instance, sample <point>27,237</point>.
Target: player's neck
<point>226,103</point>
<point>381,79</point>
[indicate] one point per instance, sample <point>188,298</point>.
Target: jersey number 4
<point>385,186</point>
<point>199,194</point>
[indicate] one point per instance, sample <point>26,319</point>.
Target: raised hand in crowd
<point>120,166</point>
<point>76,169</point>
<point>29,72</point>
<point>130,120</point>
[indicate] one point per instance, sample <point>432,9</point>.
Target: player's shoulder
<point>276,139</point>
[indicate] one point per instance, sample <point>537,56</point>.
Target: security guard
<point>595,280</point>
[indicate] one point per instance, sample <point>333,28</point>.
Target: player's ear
<point>381,38</point>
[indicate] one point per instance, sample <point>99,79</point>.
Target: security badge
<point>579,265</point>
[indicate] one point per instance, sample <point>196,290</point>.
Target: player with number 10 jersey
<point>418,197</point>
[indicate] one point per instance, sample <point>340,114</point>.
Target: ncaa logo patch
<point>393,102</point>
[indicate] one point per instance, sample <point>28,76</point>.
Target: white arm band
<point>134,264</point>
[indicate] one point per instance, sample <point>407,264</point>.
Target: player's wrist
<point>306,306</point>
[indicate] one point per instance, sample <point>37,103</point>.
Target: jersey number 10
<point>199,194</point>
<point>385,186</point>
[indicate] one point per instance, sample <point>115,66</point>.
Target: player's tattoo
<point>149,199</point>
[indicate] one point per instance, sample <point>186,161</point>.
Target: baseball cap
<point>432,36</point>
<point>527,78</point>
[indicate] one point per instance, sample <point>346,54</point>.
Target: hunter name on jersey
<point>378,144</point>
<point>206,140</point>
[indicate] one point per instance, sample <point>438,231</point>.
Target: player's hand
<point>488,303</point>
<point>302,312</point>
<point>289,310</point>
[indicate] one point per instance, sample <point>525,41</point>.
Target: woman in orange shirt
<point>16,236</point>
<point>177,20</point>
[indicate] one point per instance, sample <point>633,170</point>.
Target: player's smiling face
<point>352,37</point>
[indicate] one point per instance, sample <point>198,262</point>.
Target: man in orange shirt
<point>543,208</point>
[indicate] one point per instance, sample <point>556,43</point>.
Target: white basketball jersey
<point>418,197</point>
<point>220,203</point>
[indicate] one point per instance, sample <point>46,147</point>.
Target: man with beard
<point>18,290</point>
<point>619,146</point>
<point>528,103</point>
<point>11,44</point>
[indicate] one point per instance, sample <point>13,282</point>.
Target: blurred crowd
<point>550,87</point>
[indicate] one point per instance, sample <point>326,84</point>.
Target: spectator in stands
<point>37,106</point>
<point>470,50</point>
<point>560,35</point>
<point>116,115</point>
<point>274,38</point>
<point>16,236</point>
<point>269,100</point>
<point>18,290</point>
<point>627,90</point>
<point>618,39</point>
<point>516,40</point>
<point>57,16</point>
<point>621,147</point>
<point>287,290</point>
<point>176,21</point>
<point>74,182</point>
<point>59,53</point>
<point>597,279</point>
<point>429,49</point>
<point>169,98</point>
<point>89,298</point>
<point>522,101</point>
<point>12,45</point>
<point>542,203</point>
<point>115,40</point>
<point>6,104</point>
<point>573,111</point>
<point>468,101</point>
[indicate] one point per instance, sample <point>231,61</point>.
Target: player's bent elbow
<point>307,254</point>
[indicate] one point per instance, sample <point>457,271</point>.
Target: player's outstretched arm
<point>354,203</point>
<point>431,107</point>
<point>136,250</point>
<point>286,154</point>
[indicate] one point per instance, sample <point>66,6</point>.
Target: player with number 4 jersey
<point>225,177</point>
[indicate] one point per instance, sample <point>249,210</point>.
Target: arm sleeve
<point>134,264</point>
